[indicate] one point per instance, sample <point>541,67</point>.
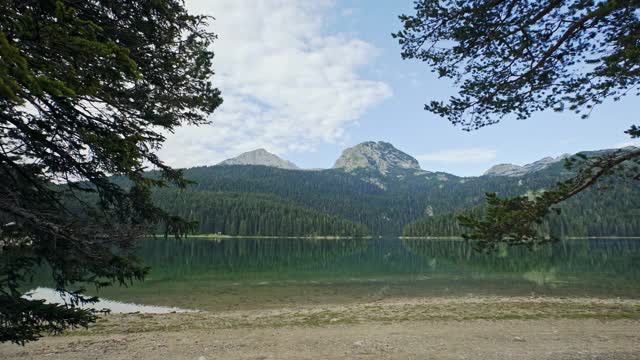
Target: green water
<point>263,273</point>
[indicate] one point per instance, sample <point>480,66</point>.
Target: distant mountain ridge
<point>260,157</point>
<point>517,170</point>
<point>512,170</point>
<point>377,189</point>
<point>382,158</point>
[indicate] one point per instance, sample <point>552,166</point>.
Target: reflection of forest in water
<point>255,271</point>
<point>586,260</point>
<point>613,260</point>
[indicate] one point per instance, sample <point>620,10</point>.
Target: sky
<point>307,79</point>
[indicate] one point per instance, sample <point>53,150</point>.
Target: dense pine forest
<point>268,201</point>
<point>607,213</point>
<point>384,204</point>
<point>253,215</point>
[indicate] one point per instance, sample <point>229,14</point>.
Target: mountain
<point>260,157</point>
<point>517,170</point>
<point>378,156</point>
<point>378,189</point>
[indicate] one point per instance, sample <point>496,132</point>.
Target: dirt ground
<point>488,328</point>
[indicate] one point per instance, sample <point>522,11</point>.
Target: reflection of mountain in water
<point>233,269</point>
<point>358,257</point>
<point>593,259</point>
<point>281,259</point>
<point>225,256</point>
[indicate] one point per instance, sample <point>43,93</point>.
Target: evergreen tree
<point>87,88</point>
<point>516,57</point>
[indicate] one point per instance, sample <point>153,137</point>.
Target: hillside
<point>381,188</point>
<point>253,215</point>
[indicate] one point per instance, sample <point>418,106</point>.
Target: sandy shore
<point>441,328</point>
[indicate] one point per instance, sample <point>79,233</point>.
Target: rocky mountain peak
<point>517,170</point>
<point>260,157</point>
<point>505,170</point>
<point>380,156</point>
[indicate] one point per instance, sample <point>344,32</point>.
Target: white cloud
<point>287,85</point>
<point>459,156</point>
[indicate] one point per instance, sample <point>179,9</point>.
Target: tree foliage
<point>516,57</point>
<point>516,220</point>
<point>588,214</point>
<point>87,90</point>
<point>250,214</point>
<point>520,56</point>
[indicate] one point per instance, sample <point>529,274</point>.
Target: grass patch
<point>377,312</point>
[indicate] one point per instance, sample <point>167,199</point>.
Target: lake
<point>228,274</point>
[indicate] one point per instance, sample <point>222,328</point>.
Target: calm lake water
<point>212,274</point>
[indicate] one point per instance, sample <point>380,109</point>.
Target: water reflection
<point>258,273</point>
<point>285,259</point>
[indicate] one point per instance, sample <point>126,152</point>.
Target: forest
<point>253,215</point>
<point>266,201</point>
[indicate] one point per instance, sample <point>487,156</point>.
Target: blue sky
<point>307,79</point>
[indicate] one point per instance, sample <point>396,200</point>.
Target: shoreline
<point>221,237</point>
<point>602,237</point>
<point>444,308</point>
<point>215,236</point>
<point>564,238</point>
<point>469,326</point>
<point>430,237</point>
